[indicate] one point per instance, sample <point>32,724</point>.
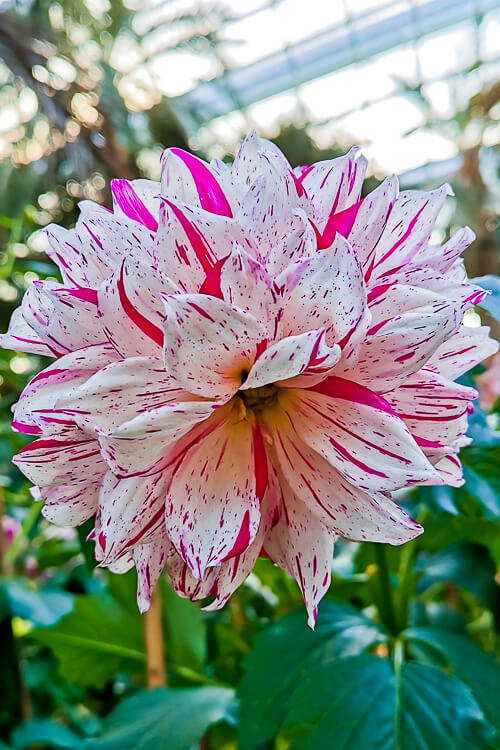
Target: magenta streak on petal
<point>424,443</point>
<point>319,237</point>
<point>403,357</point>
<point>83,293</point>
<point>405,236</point>
<point>29,341</point>
<point>317,498</point>
<point>211,195</point>
<point>94,237</point>
<point>422,418</point>
<point>201,311</point>
<point>198,244</point>
<point>377,328</point>
<point>305,171</point>
<point>27,429</point>
<point>456,354</point>
<point>49,443</point>
<point>341,222</point>
<point>477,297</point>
<point>131,204</point>
<point>260,461</point>
<point>297,181</point>
<point>242,540</point>
<point>342,426</point>
<point>377,291</point>
<point>349,391</point>
<point>314,361</point>
<point>145,325</point>
<point>349,457</point>
<point>211,285</point>
<point>143,531</point>
<point>260,348</point>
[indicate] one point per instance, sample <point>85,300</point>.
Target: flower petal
<point>334,185</point>
<point>51,461</point>
<point>371,218</point>
<point>408,228</point>
<point>22,338</point>
<point>37,403</point>
<point>209,344</point>
<point>131,308</point>
<point>65,319</point>
<point>212,506</point>
<point>70,504</point>
<point>354,514</point>
<point>118,393</point>
<point>181,171</point>
<point>151,560</point>
<point>130,512</point>
<point>282,363</point>
<point>327,290</point>
<point>136,446</point>
<point>461,352</point>
<point>247,285</point>
<point>138,200</point>
<point>359,434</point>
<point>303,546</point>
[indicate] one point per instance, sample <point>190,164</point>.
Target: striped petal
<point>334,185</point>
<point>212,510</point>
<point>118,392</point>
<point>359,434</point>
<point>130,512</point>
<point>349,511</point>
<point>295,361</point>
<point>325,290</point>
<point>209,344</point>
<point>131,308</point>
<point>303,546</point>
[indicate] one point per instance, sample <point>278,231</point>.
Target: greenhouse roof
<point>345,68</point>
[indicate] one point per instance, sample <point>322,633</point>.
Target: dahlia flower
<point>249,359</point>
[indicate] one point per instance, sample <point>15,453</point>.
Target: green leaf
<point>164,718</point>
<point>43,732</point>
<point>41,607</point>
<point>468,566</point>
<point>477,668</point>
<point>491,303</point>
<point>362,703</point>
<point>185,631</point>
<point>288,651</point>
<point>95,641</point>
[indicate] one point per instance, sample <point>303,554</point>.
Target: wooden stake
<point>156,675</point>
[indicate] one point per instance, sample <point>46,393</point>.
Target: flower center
<point>259,399</point>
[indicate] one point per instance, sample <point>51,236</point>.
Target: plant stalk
<point>156,673</point>
<point>386,608</point>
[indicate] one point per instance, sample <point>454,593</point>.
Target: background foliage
<point>404,656</point>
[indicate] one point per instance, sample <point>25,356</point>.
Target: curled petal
<point>209,344</point>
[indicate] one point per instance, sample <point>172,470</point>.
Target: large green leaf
<point>360,702</point>
<point>164,718</point>
<point>95,641</point>
<point>468,566</point>
<point>477,668</point>
<point>44,732</point>
<point>491,303</point>
<point>185,631</point>
<point>288,651</point>
<point>39,606</point>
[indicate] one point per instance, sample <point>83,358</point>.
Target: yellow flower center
<point>258,399</point>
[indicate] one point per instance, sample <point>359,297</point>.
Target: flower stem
<point>156,675</point>
<point>386,602</point>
